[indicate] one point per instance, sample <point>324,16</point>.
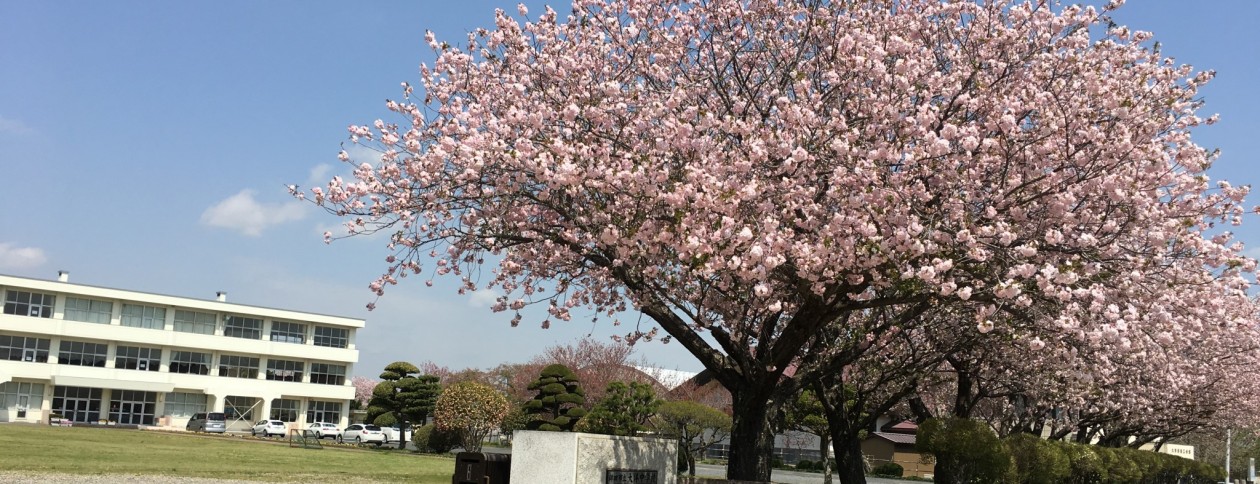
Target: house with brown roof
<point>894,442</point>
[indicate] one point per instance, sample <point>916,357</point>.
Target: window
<point>283,370</point>
<point>19,348</point>
<point>238,407</point>
<point>82,354</point>
<point>24,303</point>
<point>331,337</point>
<point>185,404</point>
<point>25,399</point>
<point>318,411</point>
<point>288,332</point>
<point>241,327</point>
<point>284,410</point>
<point>238,366</point>
<point>136,358</point>
<point>194,322</point>
<point>138,316</point>
<point>88,310</point>
<point>190,362</point>
<point>328,374</point>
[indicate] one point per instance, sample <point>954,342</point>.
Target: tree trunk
<point>824,448</point>
<point>752,442</point>
<point>691,464</point>
<point>850,466</point>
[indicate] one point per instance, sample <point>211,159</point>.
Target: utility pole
<point>1229,441</point>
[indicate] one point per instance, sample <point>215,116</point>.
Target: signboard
<point>630,476</point>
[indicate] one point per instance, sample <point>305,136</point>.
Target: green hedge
<point>968,451</point>
<point>888,469</point>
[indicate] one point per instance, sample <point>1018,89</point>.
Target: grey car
<point>212,422</point>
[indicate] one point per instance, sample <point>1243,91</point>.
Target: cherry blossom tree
<point>596,364</point>
<point>363,387</point>
<point>746,172</point>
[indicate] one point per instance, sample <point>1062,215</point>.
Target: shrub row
<point>968,451</point>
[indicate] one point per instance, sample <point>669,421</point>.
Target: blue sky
<point>145,145</point>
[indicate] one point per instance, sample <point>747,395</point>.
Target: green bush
<point>1085,462</point>
<point>889,469</point>
<point>1037,461</point>
<point>385,420</point>
<point>966,451</point>
<point>806,465</point>
<point>429,439</point>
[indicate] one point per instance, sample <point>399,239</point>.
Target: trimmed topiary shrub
<point>1084,462</point>
<point>966,451</point>
<point>1037,461</point>
<point>558,404</point>
<point>806,465</point>
<point>428,438</point>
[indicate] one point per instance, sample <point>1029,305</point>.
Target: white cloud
<point>1253,252</point>
<point>360,154</point>
<point>319,175</point>
<point>244,214</point>
<point>14,126</point>
<point>12,257</point>
<point>483,298</point>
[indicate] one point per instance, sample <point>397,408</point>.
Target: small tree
<point>515,420</point>
<point>363,387</point>
<point>473,409</point>
<point>402,395</point>
<point>624,410</point>
<point>695,425</point>
<point>558,404</point>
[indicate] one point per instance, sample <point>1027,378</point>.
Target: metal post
<point>1229,443</point>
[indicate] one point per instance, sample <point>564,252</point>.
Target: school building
<point>98,355</point>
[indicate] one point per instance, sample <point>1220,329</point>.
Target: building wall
<point>125,388</point>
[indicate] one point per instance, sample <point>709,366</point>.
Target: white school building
<point>99,355</point>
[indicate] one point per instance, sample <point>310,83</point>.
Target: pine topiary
<point>558,404</point>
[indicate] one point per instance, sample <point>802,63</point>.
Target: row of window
<point>127,406</point>
<point>80,353</point>
<point>39,305</point>
<point>238,407</point>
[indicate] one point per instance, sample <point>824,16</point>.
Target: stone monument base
<point>578,458</point>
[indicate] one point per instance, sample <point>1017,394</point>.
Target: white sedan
<point>269,428</point>
<point>361,433</point>
<point>325,430</point>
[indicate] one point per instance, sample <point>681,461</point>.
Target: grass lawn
<point>85,450</point>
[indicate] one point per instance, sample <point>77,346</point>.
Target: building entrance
<point>132,407</point>
<point>77,403</point>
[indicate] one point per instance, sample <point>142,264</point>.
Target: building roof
<point>903,427</point>
<point>896,438</point>
<point>66,287</point>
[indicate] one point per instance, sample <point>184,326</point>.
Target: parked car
<point>391,434</point>
<point>212,422</point>
<point>325,430</point>
<point>268,428</point>
<point>360,433</point>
